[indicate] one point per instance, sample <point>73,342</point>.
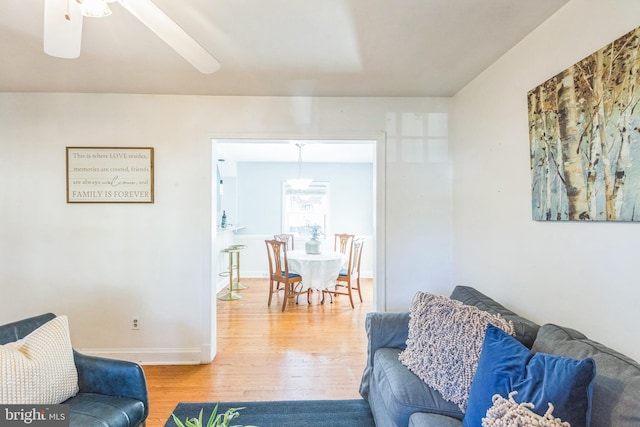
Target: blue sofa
<point>398,398</point>
<point>113,393</point>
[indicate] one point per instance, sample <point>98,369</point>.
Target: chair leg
<point>350,294</point>
<point>294,289</point>
<point>239,285</point>
<point>230,296</point>
<point>326,291</point>
<point>286,296</point>
<point>359,293</point>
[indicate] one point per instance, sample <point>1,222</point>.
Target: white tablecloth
<point>317,271</point>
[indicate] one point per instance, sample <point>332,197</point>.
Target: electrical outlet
<point>135,323</point>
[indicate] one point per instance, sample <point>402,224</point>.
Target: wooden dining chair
<point>349,278</point>
<point>279,274</point>
<point>342,241</point>
<point>287,238</point>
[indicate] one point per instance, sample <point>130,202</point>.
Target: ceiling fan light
<point>62,37</point>
<point>95,8</point>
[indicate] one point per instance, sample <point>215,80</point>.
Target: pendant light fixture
<point>299,183</point>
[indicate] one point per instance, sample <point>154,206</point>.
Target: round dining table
<point>317,270</point>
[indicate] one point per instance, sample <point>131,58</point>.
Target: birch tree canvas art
<point>584,133</point>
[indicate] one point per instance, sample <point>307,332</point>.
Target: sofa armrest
<point>383,330</point>
<point>111,377</point>
<point>17,330</point>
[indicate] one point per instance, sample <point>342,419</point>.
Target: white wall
<point>580,275</point>
<point>350,195</point>
<point>257,200</point>
<point>259,203</point>
<point>101,264</point>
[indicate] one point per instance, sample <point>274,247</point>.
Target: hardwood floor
<point>311,351</point>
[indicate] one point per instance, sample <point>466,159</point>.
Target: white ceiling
<point>276,47</point>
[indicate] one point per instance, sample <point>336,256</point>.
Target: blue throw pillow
<point>506,365</point>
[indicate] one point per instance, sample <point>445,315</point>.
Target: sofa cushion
<point>616,387</point>
<point>39,369</point>
<point>445,339</point>
<point>403,392</point>
<point>506,365</point>
<point>525,330</point>
<point>383,330</point>
<point>425,419</point>
<point>508,411</point>
<point>99,410</point>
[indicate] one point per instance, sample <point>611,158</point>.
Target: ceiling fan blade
<point>171,33</point>
<point>62,36</point>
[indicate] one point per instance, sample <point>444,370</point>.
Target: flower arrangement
<point>215,420</point>
<point>315,231</point>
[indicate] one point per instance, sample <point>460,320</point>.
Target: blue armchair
<point>113,393</point>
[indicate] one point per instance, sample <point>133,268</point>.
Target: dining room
<point>309,190</point>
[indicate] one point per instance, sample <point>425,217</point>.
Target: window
<point>304,208</point>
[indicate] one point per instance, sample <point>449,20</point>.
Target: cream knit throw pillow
<point>509,413</point>
<point>39,369</point>
<point>445,339</point>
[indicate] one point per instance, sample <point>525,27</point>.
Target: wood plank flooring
<point>311,351</point>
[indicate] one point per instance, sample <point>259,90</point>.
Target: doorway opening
<point>223,181</point>
<point>252,172</point>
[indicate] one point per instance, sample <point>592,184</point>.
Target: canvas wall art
<point>584,134</point>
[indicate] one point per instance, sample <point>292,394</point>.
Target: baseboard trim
<point>221,285</point>
<point>263,275</point>
<point>149,356</point>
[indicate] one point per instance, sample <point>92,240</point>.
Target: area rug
<point>287,413</point>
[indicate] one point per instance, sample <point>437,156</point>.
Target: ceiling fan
<point>63,29</point>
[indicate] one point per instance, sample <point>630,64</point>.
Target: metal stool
<point>238,285</point>
<point>230,295</point>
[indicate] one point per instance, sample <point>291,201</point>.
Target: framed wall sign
<point>109,174</point>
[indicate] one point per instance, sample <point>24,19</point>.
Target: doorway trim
<point>209,332</point>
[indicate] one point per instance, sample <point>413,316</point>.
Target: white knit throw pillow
<point>39,369</point>
<point>509,413</point>
<point>445,340</point>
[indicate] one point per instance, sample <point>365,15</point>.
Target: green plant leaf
<point>215,419</point>
<point>177,421</point>
<point>212,419</point>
